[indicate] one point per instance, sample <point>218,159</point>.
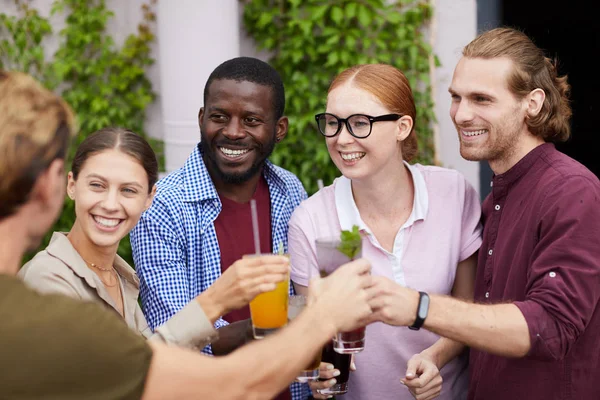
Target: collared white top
<point>349,216</point>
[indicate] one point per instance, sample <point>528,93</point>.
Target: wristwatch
<point>422,310</point>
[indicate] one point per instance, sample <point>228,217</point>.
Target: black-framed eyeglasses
<point>359,125</point>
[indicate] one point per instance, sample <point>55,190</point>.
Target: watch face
<point>423,306</point>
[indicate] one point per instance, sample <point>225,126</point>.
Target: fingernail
<point>410,375</point>
<point>332,382</point>
<point>402,382</point>
<point>329,367</point>
<point>336,373</point>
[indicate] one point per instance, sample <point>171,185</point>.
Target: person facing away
<point>200,221</point>
<point>420,228</point>
<point>112,182</point>
<point>55,347</point>
<point>534,330</point>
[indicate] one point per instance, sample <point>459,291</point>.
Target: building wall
<point>454,25</point>
<point>196,36</point>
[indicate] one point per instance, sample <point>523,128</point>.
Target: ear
<point>150,198</point>
<point>535,100</point>
<point>71,185</point>
<point>281,129</point>
<point>48,183</point>
<point>405,124</point>
<point>200,115</point>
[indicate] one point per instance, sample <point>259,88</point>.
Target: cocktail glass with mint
<point>333,253</point>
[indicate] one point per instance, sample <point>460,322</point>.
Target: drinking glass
<point>269,310</point>
<point>311,372</point>
<point>342,363</point>
<point>329,258</point>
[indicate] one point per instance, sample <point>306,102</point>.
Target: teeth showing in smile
<point>474,133</point>
<point>352,156</point>
<point>233,153</point>
<point>107,222</point>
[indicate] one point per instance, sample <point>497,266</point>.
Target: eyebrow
<point>472,94</point>
<point>104,179</point>
<point>246,111</point>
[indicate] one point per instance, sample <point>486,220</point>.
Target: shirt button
<point>552,274</point>
<point>491,183</point>
<point>490,251</point>
<point>497,207</point>
<point>487,295</point>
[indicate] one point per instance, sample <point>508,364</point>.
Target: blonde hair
<point>35,129</point>
<point>391,87</point>
<point>531,70</point>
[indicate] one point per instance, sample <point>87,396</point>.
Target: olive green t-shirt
<point>53,347</point>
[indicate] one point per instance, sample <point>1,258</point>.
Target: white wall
<point>194,38</point>
<point>454,25</point>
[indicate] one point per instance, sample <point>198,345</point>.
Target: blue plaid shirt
<point>175,245</point>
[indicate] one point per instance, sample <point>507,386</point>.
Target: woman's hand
<point>422,377</point>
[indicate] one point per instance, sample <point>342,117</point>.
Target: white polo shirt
<point>442,230</point>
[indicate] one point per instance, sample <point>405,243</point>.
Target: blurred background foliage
<point>309,42</point>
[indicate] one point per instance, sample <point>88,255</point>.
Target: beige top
<point>60,269</point>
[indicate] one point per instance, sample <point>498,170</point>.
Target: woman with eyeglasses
<point>419,225</point>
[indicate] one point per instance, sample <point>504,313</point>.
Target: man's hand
<point>242,282</point>
<point>422,378</point>
<point>342,296</point>
<point>328,373</point>
<point>392,303</point>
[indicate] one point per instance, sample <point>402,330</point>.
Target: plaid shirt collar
<point>194,170</point>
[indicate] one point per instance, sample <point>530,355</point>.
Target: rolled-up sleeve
<point>563,284</point>
<point>188,328</point>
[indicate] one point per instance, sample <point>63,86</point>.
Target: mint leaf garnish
<point>351,242</point>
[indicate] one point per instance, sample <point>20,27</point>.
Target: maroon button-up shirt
<point>541,251</point>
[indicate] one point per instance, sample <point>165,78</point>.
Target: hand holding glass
<point>311,372</point>
<point>329,258</point>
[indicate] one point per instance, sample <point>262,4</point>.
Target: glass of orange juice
<point>269,310</point>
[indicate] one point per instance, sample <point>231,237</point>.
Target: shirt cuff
<point>545,343</point>
<point>188,328</point>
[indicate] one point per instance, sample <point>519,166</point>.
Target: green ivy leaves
<point>311,41</point>
<point>21,39</point>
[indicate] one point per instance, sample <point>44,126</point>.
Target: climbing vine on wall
<point>310,41</point>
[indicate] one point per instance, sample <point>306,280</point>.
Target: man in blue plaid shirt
<point>200,220</point>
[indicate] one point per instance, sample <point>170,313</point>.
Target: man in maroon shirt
<point>535,327</point>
